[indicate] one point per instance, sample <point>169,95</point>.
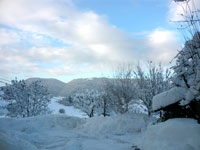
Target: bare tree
<point>89,101</point>
<point>151,82</point>
<point>121,87</point>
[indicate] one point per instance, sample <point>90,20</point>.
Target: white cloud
<point>8,37</point>
<point>176,9</point>
<point>93,42</point>
<point>164,45</point>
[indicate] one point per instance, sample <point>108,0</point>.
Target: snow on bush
<point>3,109</point>
<point>90,101</point>
<point>120,124</point>
<point>187,69</point>
<point>169,97</point>
<point>137,107</point>
<point>174,134</point>
<point>150,82</point>
<point>26,100</point>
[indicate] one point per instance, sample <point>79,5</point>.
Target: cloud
<point>176,9</point>
<point>164,45</point>
<point>8,37</point>
<point>52,37</point>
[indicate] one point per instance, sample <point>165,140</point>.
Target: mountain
<point>54,86</point>
<point>83,84</point>
<point>59,88</point>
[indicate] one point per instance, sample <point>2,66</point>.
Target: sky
<point>68,39</point>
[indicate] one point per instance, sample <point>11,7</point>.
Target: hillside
<point>54,86</point>
<point>59,88</point>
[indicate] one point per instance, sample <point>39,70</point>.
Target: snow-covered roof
<point>169,97</point>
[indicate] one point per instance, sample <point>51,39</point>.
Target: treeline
<point>128,83</point>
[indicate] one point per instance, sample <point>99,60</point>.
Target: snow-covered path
<point>54,106</point>
<point>61,132</point>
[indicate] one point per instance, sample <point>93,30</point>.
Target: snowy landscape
<point>90,75</point>
<point>75,131</point>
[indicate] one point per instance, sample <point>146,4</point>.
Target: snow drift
<point>41,132</point>
<point>11,141</point>
<point>61,132</point>
<point>174,134</point>
<point>119,124</point>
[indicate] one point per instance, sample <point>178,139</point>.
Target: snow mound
<point>60,132</point>
<point>120,124</point>
<point>174,134</point>
<point>10,141</point>
<point>169,97</point>
<point>35,132</point>
<point>36,124</point>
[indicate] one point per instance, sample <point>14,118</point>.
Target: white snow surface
<point>169,97</point>
<point>174,134</point>
<point>61,132</point>
<point>54,107</point>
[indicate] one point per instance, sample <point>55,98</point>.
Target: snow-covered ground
<point>54,107</point>
<point>61,132</point>
<point>74,131</point>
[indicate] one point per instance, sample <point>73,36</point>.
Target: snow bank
<point>169,97</point>
<point>11,141</point>
<point>35,132</point>
<point>120,124</point>
<point>174,134</point>
<point>40,123</point>
<point>60,132</point>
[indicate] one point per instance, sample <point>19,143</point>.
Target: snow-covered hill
<point>59,88</point>
<point>54,86</point>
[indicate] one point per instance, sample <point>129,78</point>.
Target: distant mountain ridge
<point>59,88</point>
<point>54,86</point>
